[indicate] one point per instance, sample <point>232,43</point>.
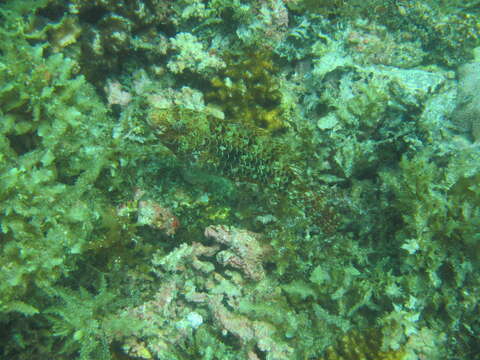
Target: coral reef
<point>193,298</point>
<point>239,180</point>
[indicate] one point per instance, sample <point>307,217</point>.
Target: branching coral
<point>245,253</point>
<point>197,296</point>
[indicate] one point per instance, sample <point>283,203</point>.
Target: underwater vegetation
<point>258,180</point>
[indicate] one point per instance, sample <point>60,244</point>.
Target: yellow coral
<point>365,345</point>
<point>248,92</point>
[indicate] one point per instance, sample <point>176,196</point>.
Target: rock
<point>467,112</point>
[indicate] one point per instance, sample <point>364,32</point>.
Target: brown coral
<point>356,345</point>
<point>248,330</point>
<point>245,251</point>
<point>184,300</point>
